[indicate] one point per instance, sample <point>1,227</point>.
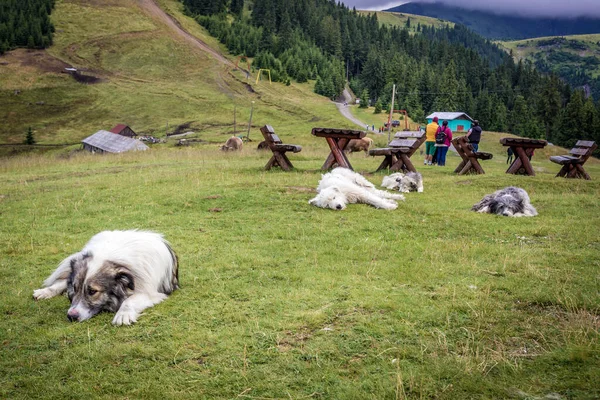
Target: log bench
<point>470,159</point>
<point>279,159</point>
<point>398,152</point>
<point>572,164</point>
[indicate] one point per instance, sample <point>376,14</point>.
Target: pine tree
<point>29,138</point>
<point>378,107</point>
<point>364,99</point>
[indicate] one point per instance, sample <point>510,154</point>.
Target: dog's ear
<point>125,279</point>
<point>336,189</point>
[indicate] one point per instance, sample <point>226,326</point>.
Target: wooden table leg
<point>386,163</point>
<point>460,167</point>
<point>337,154</point>
<point>525,160</point>
<point>465,169</point>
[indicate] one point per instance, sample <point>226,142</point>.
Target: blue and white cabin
<point>457,121</point>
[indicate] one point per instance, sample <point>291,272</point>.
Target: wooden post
<point>234,114</point>
<point>391,113</point>
<point>250,122</point>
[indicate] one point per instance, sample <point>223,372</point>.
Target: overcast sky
<point>546,8</point>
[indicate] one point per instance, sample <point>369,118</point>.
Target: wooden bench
<point>469,163</point>
<point>398,152</point>
<point>279,149</point>
<point>572,164</point>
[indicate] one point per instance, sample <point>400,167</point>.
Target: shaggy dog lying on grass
<point>117,271</point>
<point>342,186</point>
<point>404,183</point>
<point>509,202</point>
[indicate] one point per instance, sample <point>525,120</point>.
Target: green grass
<point>280,299</point>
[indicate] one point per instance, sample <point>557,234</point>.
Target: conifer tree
<point>29,138</point>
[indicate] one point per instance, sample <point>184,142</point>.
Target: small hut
<point>123,130</point>
<point>107,142</point>
<point>457,121</point>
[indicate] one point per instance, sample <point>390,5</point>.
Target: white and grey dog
<point>404,183</point>
<point>509,202</point>
<point>116,271</point>
<point>342,186</point>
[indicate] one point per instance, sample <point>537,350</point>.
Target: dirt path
<point>344,109</point>
<point>153,9</point>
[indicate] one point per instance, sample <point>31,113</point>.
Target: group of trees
<point>25,23</point>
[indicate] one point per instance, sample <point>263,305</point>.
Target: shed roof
<point>111,143</point>
<point>118,128</point>
<point>449,116</point>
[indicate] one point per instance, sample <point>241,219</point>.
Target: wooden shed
<point>107,142</point>
<point>457,121</point>
<point>123,130</point>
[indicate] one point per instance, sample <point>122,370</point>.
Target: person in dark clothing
<point>474,135</point>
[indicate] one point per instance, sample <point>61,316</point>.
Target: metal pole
<point>391,113</point>
<point>234,124</point>
<point>250,122</point>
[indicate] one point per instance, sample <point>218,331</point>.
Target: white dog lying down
<point>117,271</point>
<point>404,183</point>
<point>342,186</point>
<point>509,202</point>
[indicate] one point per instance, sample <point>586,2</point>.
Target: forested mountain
<point>503,27</point>
<point>25,23</point>
<point>449,69</point>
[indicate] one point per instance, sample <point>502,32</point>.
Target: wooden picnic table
<point>337,139</point>
<point>523,149</point>
<point>398,152</point>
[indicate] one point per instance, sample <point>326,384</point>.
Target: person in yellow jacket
<point>430,131</point>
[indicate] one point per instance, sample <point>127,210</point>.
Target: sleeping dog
<point>117,271</point>
<point>509,202</point>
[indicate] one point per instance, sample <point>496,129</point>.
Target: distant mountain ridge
<point>503,27</point>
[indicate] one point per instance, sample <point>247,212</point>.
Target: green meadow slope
<point>280,299</point>
<point>149,75</point>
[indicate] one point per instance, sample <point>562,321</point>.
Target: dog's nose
<point>339,206</point>
<point>73,315</point>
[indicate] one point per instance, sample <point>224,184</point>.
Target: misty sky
<point>545,8</point>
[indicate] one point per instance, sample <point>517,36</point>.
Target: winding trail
<point>345,110</point>
<point>153,9</point>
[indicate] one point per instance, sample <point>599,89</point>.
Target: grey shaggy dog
<point>404,183</point>
<point>509,202</point>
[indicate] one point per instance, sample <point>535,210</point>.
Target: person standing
<point>474,135</point>
<point>430,131</point>
<point>443,137</point>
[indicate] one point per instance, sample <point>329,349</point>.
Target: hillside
<point>147,73</point>
<point>576,59</point>
<point>386,18</point>
<point>503,27</point>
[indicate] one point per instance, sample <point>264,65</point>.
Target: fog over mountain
<point>527,8</point>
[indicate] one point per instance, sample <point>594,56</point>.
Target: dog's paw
<point>125,318</point>
<point>399,197</point>
<point>44,293</point>
<point>390,205</point>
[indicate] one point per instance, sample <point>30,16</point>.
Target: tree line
<point>25,23</point>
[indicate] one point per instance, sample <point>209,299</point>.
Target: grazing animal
<point>233,143</point>
<point>116,271</point>
<point>509,202</point>
<point>342,186</point>
<point>359,145</point>
<point>404,183</point>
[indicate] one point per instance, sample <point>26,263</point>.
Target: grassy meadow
<point>282,300</point>
<point>150,79</point>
